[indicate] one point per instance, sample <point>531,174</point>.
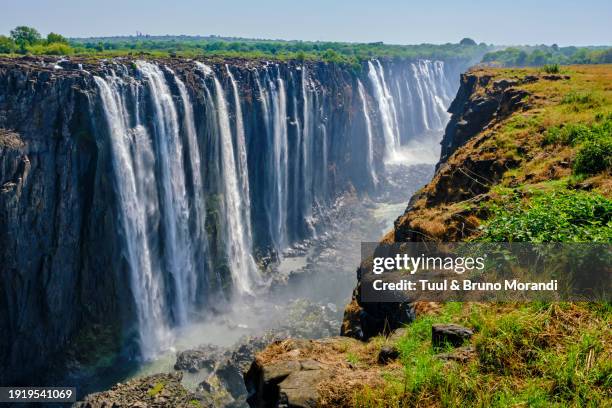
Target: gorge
<point>136,195</point>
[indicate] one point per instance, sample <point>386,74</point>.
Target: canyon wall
<point>135,193</point>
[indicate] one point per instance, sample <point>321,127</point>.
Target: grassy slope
<point>525,354</point>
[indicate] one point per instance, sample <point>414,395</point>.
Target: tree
<point>7,45</point>
<point>467,41</point>
<point>24,36</point>
<point>56,38</point>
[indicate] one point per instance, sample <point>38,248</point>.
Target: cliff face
<point>133,193</point>
<point>58,247</point>
<point>466,171</point>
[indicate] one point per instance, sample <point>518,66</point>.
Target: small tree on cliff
<point>24,36</point>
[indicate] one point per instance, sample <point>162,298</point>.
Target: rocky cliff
<point>133,192</point>
<point>495,140</point>
<point>515,137</point>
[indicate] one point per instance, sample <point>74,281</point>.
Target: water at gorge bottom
<point>310,287</point>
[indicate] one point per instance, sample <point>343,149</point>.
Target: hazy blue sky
<point>392,21</point>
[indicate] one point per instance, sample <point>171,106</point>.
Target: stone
<point>204,357</point>
<point>461,354</point>
<point>453,334</point>
<point>299,389</point>
<point>275,373</point>
<point>387,354</point>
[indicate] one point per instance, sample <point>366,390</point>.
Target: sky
<point>564,22</point>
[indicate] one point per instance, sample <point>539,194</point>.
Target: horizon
<point>388,21</point>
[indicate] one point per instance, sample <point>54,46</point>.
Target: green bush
<point>551,68</point>
<point>593,157</point>
<point>7,45</point>
<point>51,49</point>
<point>561,216</point>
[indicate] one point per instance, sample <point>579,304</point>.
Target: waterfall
<point>386,108</point>
<point>243,170</point>
<point>146,283</point>
<point>177,243</point>
<point>280,159</point>
<point>199,201</point>
<point>368,122</point>
<point>238,248</point>
<point>307,146</point>
<point>180,155</point>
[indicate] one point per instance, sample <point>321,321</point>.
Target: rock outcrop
<point>466,171</point>
<point>156,391</point>
<point>66,273</point>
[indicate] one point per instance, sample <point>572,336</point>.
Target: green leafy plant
<point>561,216</point>
<point>594,157</point>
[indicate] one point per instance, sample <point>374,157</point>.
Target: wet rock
<point>453,334</point>
<point>204,357</point>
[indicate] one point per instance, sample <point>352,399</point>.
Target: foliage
<point>7,45</point>
<point>56,38</point>
<point>595,141</point>
<point>548,55</point>
<point>558,216</point>
<point>338,52</point>
<point>551,68</point>
<point>25,36</point>
<point>535,354</point>
<point>594,157</point>
<point>55,48</point>
<point>467,41</point>
<point>28,40</point>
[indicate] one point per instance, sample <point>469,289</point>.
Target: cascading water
<point>136,203</point>
<point>369,132</point>
<point>178,255</point>
<point>386,109</point>
<point>204,172</point>
<point>241,160</point>
<point>242,265</point>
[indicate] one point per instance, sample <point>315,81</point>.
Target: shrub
<point>593,157</point>
<point>551,68</point>
<point>7,45</point>
<point>561,216</point>
<point>51,49</point>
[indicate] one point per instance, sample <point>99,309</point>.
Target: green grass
<point>530,355</point>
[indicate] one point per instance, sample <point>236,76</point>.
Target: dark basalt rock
<point>156,391</point>
<point>453,334</point>
<point>204,357</point>
<point>387,354</point>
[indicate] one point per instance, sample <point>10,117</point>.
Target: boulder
<point>204,357</point>
<point>286,384</point>
<point>453,334</point>
<point>387,354</point>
